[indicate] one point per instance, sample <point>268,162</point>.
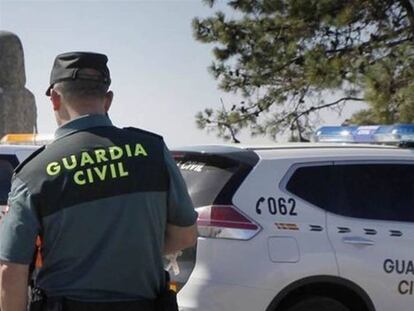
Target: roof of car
<point>223,148</point>
<point>305,150</point>
<point>16,148</point>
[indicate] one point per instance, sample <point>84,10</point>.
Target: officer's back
<point>105,202</point>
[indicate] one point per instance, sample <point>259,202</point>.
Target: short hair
<point>80,89</point>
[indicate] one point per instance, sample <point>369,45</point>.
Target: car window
<point>205,178</point>
<point>373,191</point>
<point>312,184</point>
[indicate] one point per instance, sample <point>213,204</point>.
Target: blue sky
<point>159,71</point>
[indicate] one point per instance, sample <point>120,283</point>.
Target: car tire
<point>317,303</point>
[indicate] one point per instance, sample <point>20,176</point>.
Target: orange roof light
<point>27,138</point>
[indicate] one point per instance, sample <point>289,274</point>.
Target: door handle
<point>358,241</point>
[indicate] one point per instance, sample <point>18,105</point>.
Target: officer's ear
<point>56,99</point>
<point>108,100</point>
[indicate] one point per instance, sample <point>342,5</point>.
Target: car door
<point>371,227</point>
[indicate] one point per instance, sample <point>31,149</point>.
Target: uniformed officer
<point>106,203</point>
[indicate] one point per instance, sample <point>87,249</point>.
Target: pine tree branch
<point>313,108</point>
<point>228,125</point>
<point>410,12</point>
<point>366,44</point>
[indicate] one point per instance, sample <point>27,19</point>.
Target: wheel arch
<point>317,284</point>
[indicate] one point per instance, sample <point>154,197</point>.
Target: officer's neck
<point>70,112</point>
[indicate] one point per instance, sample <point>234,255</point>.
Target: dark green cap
<point>67,65</point>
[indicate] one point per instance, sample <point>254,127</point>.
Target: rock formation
<point>17,104</point>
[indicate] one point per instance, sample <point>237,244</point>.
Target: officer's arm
<point>178,238</point>
<point>13,286</point>
<point>19,228</point>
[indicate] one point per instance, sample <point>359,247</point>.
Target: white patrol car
<point>299,227</point>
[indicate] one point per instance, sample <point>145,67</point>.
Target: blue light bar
<point>380,134</point>
<point>334,134</point>
<point>394,133</point>
<point>365,133</point>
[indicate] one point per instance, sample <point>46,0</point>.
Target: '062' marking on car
<point>275,206</point>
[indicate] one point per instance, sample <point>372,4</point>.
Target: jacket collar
<point>83,123</point>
